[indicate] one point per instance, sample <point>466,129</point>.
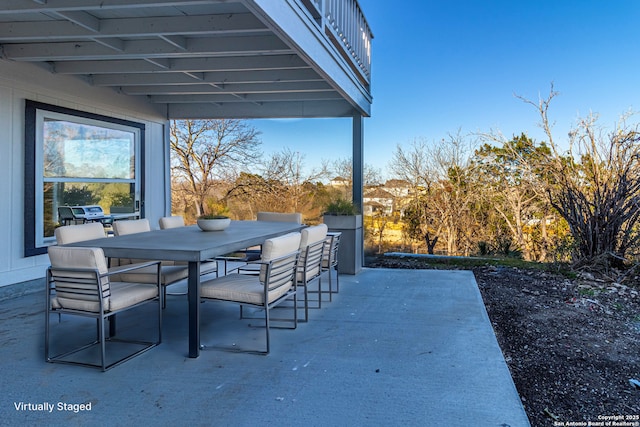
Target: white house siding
<point>19,82</point>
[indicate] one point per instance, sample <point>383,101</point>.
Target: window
<point>74,158</point>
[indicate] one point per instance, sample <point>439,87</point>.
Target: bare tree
<point>206,151</point>
<point>457,191</point>
<point>281,184</point>
<point>287,168</point>
<point>595,186</point>
<point>441,188</point>
<point>343,169</point>
<point>414,164</point>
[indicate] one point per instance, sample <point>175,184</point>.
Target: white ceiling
<point>196,59</point>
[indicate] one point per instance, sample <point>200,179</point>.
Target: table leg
<point>193,282</point>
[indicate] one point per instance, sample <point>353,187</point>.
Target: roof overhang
<point>192,58</point>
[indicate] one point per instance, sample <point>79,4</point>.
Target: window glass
<point>76,159</point>
<point>76,150</point>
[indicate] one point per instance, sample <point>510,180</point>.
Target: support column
<point>358,185</point>
<point>351,251</point>
<point>358,161</point>
<point>167,167</point>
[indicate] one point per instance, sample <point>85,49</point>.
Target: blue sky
<point>443,66</point>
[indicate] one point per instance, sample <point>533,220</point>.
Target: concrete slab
<point>395,347</point>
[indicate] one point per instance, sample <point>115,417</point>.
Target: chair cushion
<point>78,233</point>
<point>168,274</point>
<point>205,267</point>
<point>208,267</point>
<point>312,235</point>
<point>79,295</point>
<point>277,247</point>
<point>120,228</point>
<point>92,306</point>
<point>171,222</point>
<point>70,257</point>
<point>309,270</point>
<point>240,288</point>
<point>84,296</point>
<point>280,246</point>
<point>126,294</point>
<point>80,258</point>
<point>280,217</point>
<point>123,295</point>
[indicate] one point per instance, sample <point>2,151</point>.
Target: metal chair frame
<point>277,272</point>
<point>67,217</point>
<point>94,288</point>
<point>330,256</point>
<point>249,255</point>
<point>311,260</point>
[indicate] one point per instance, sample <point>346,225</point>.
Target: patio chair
<point>249,255</point>
<point>275,283</point>
<point>330,261</point>
<point>79,284</point>
<point>170,272</point>
<point>312,247</point>
<point>77,233</point>
<point>176,221</point>
<point>312,244</point>
<point>122,228</point>
<point>171,222</point>
<point>66,216</point>
<point>280,217</point>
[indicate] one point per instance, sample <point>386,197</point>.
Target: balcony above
<point>203,58</point>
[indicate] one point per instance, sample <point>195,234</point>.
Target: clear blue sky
<point>443,65</point>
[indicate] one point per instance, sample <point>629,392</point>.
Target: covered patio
<point>132,67</point>
<point>395,347</point>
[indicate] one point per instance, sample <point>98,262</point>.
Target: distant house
<point>339,181</point>
<point>378,201</point>
<point>398,187</point>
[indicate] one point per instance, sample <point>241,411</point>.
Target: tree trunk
<point>431,244</point>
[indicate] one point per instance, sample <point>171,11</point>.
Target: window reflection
<point>112,197</point>
<point>77,150</point>
<point>76,158</point>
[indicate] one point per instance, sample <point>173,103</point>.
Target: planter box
<point>350,253</point>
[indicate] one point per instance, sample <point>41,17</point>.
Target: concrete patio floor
<point>395,347</point>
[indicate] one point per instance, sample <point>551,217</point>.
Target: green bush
<point>341,207</point>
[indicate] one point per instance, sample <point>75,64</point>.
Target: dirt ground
<point>572,345</point>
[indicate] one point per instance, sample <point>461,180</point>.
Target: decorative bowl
<point>216,224</point>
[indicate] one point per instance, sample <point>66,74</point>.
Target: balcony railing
<point>346,26</point>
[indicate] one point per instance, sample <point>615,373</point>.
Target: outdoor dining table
<point>194,246</point>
